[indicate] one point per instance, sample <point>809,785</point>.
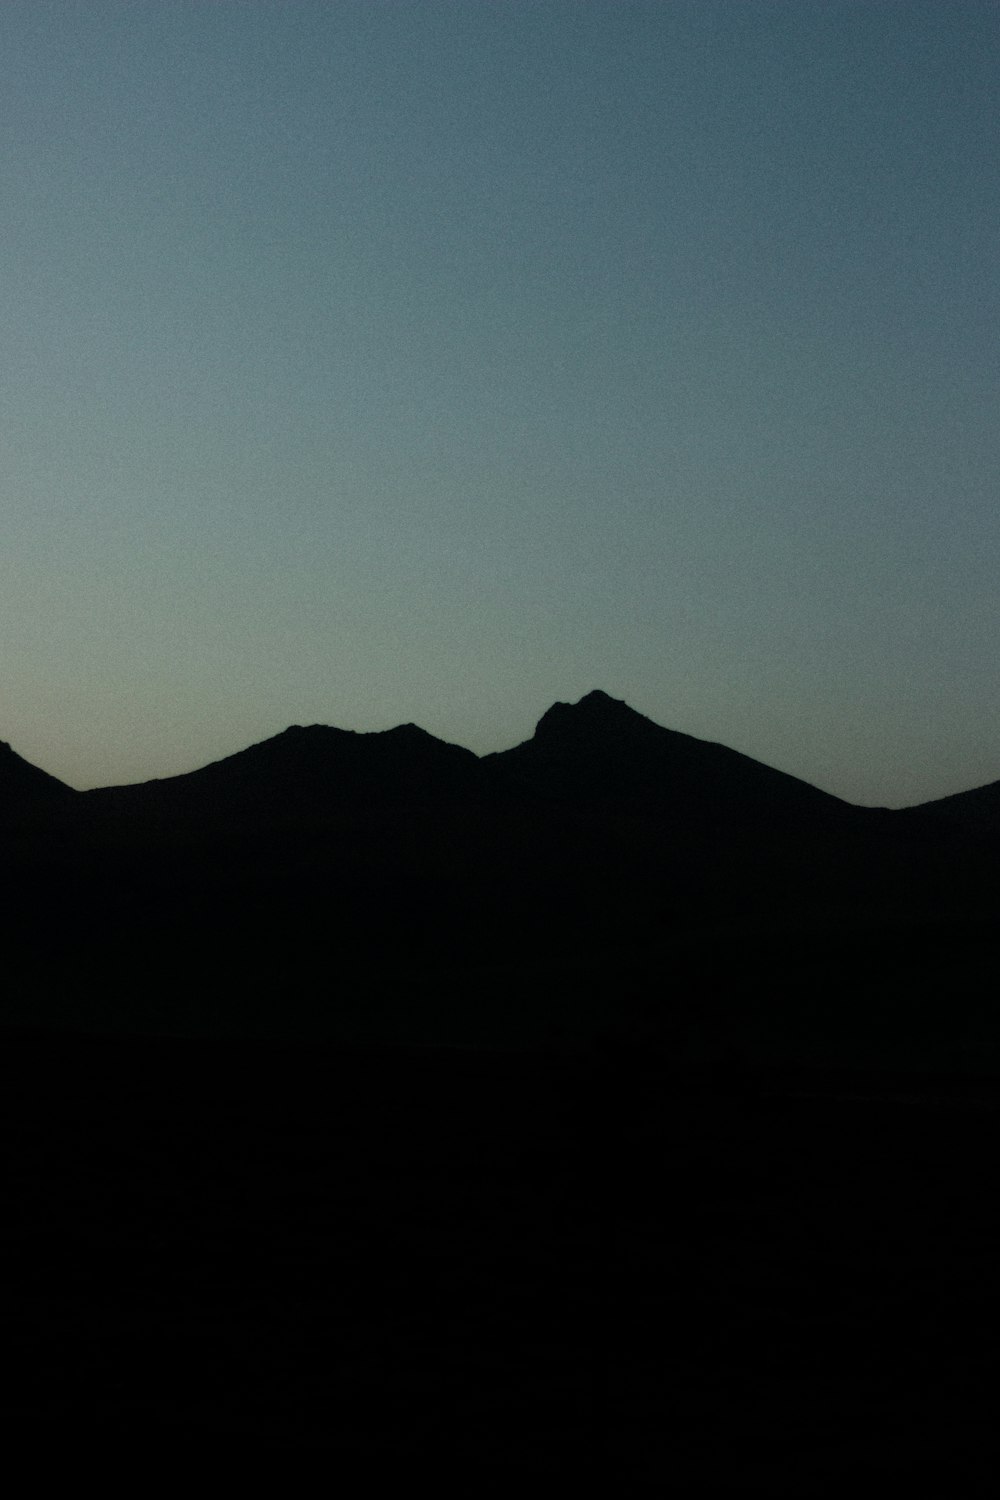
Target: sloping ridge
<point>597,752</point>
<point>306,770</point>
<point>976,811</point>
<point>602,752</point>
<point>25,788</point>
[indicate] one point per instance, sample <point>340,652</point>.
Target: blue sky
<point>372,362</point>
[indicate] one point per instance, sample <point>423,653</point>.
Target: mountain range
<point>601,862</point>
<point>599,749</point>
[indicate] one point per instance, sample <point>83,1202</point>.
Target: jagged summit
<point>311,770</point>
<point>596,702</point>
<point>595,714</point>
<point>601,752</point>
<point>596,699</point>
<point>320,732</point>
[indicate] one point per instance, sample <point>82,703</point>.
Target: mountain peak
<point>599,699</point>
<point>596,713</point>
<point>409,731</point>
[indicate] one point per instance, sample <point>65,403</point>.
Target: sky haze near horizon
<point>365,363</point>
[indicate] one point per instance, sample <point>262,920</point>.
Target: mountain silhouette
<point>25,789</point>
<point>320,1018</point>
<point>598,753</point>
<point>306,772</point>
<point>601,752</point>
<point>501,891</point>
<point>593,759</point>
<point>975,812</point>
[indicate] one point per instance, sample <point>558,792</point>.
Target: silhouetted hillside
<point>615,1083</point>
<point>306,773</point>
<point>598,753</point>
<point>583,1109</point>
<point>976,811</point>
<point>595,756</point>
<point>608,872</point>
<point>603,753</point>
<point>25,790</point>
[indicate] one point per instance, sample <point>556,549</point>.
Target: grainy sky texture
<point>410,360</point>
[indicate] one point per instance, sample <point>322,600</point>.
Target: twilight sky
<point>384,360</point>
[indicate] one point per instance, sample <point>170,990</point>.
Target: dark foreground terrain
<point>614,1109</point>
<point>550,1265</point>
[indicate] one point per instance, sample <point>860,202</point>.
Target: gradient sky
<point>371,362</point>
